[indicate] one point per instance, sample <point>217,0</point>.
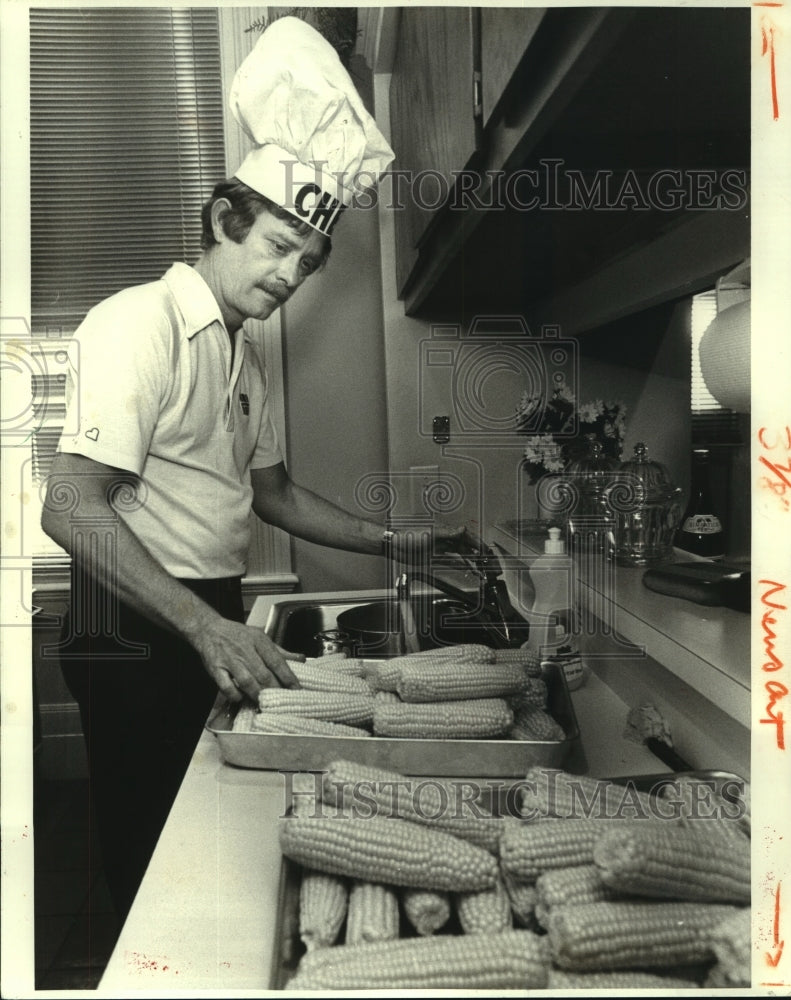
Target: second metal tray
<point>451,758</point>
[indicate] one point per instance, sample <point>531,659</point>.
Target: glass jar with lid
<point>646,506</point>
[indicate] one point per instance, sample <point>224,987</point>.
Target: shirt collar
<point>194,298</point>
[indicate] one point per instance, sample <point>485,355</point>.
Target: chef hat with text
<point>315,144</point>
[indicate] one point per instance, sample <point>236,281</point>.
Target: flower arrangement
<point>564,430</point>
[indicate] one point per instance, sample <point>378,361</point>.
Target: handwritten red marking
<point>774,689</point>
<point>768,45</point>
<point>761,437</point>
<point>773,957</point>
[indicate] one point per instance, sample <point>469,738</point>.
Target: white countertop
<point>205,916</point>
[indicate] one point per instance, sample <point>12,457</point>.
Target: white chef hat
<point>315,144</point>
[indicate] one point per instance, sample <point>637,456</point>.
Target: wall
<point>335,394</point>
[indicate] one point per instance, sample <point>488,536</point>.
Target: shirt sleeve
<point>119,372</point>
<point>267,450</point>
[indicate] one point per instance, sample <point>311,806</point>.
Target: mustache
<point>276,291</point>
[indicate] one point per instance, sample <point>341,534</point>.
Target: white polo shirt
<point>152,390</point>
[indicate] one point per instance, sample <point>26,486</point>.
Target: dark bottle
<point>701,532</point>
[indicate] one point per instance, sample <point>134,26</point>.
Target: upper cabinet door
<point>432,103</point>
<point>506,33</point>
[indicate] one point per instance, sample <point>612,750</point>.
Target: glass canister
<point>647,510</point>
<point>592,473</point>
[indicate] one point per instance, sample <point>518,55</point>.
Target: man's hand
<point>409,548</point>
<point>242,659</point>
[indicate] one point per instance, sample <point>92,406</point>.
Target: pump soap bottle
<point>551,614</point>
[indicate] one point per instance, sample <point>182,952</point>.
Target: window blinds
<point>126,144</point>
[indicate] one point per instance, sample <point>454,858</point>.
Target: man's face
<point>261,273</point>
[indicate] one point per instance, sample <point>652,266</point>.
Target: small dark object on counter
<point>715,584</point>
<point>645,724</point>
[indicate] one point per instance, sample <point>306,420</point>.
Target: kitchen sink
<point>373,629</point>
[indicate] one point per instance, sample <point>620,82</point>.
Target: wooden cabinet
<point>574,102</point>
<point>506,33</point>
<point>433,119</point>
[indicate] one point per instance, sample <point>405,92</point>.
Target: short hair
<point>245,207</point>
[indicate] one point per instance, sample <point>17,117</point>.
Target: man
<point>175,444</point>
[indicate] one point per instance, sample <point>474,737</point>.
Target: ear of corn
<point>284,723</point>
<point>477,718</point>
<point>485,912</point>
<point>561,980</point>
<point>433,803</point>
<point>382,675</point>
<point>373,913</point>
<point>624,935</point>
<point>314,677</point>
<point>243,720</point>
<point>534,724</point>
<point>465,652</point>
<point>426,910</point>
<point>528,660</point>
<point>731,942</point>
<point>665,860</point>
<point>392,851</point>
<point>349,709</point>
<point>549,792</point>
<point>528,849</point>
<point>697,800</point>
<point>444,679</point>
<point>323,902</point>
<point>522,896</point>
<point>534,694</point>
<point>510,960</point>
<point>567,887</point>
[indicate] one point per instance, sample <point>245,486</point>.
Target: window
<point>712,424</point>
<point>126,143</point>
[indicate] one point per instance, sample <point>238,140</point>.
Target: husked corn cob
<point>373,913</point>
<point>522,896</point>
<point>510,960</point>
<point>528,660</point>
<point>349,709</point>
<point>443,679</point>
<point>566,887</point>
<point>561,980</point>
<point>598,937</point>
<point>465,652</point>
<point>485,912</point>
<point>444,806</point>
<point>287,724</point>
<point>319,678</point>
<point>382,675</point>
<point>552,792</point>
<point>323,903</point>
<point>698,801</point>
<point>534,724</point>
<point>243,720</point>
<point>731,942</point>
<point>476,718</point>
<point>534,693</point>
<point>668,861</point>
<point>427,910</point>
<point>393,851</point>
<point>528,849</point>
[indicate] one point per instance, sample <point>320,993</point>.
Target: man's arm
<point>237,657</point>
<point>281,502</point>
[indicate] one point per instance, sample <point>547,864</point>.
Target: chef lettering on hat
<point>175,444</point>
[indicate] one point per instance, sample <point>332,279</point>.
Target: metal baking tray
<point>288,948</point>
<point>439,758</point>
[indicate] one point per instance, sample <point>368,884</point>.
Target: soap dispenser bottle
<point>551,575</point>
